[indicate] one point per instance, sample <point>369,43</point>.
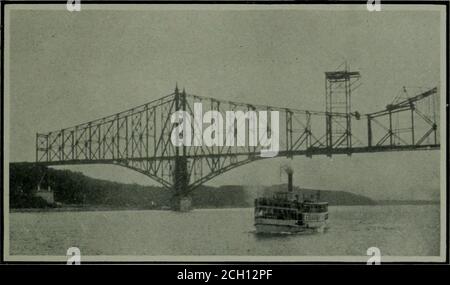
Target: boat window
<point>274,213</point>
<point>315,208</point>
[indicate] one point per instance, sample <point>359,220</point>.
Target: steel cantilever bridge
<point>139,138</point>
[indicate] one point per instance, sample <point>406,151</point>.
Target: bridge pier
<point>182,200</point>
<point>182,203</point>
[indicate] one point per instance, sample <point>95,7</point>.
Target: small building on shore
<point>46,194</point>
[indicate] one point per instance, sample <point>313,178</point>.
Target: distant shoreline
<point>92,208</point>
<point>73,191</point>
<point>408,202</point>
<point>78,209</point>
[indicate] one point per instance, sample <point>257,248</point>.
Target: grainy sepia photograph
<point>225,132</point>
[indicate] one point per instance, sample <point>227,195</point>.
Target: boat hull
<point>275,226</point>
<point>287,226</point>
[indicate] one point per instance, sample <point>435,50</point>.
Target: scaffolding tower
<point>338,92</point>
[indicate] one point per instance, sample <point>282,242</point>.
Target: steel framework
<point>338,93</point>
<point>139,138</point>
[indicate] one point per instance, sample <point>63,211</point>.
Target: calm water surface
<point>396,230</point>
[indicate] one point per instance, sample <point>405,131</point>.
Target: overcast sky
<point>69,68</point>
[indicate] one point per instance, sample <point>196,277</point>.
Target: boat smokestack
<point>290,174</point>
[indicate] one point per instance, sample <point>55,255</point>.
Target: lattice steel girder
<point>139,139</point>
<point>398,135</point>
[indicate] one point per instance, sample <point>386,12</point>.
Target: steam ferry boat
<point>285,213</point>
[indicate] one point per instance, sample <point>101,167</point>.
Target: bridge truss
<point>139,138</point>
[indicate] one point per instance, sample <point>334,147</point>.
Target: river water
<point>404,230</point>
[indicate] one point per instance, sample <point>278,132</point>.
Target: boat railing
<point>276,202</point>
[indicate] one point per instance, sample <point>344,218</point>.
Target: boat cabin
<point>315,207</point>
